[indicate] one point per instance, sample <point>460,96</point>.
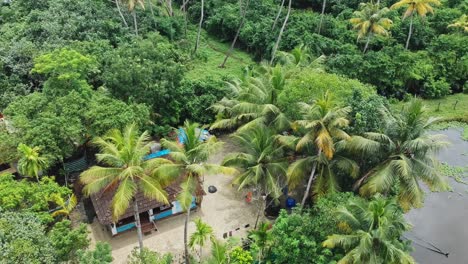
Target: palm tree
<point>125,172</point>
<point>261,238</point>
<point>278,14</point>
<point>370,21</point>
<point>189,161</point>
<point>254,102</point>
<point>461,23</point>
<point>31,163</point>
<point>324,5</point>
<point>117,3</point>
<point>280,34</point>
<point>420,7</point>
<point>322,123</point>
<point>131,4</point>
<point>202,13</point>
<point>372,232</point>
<point>404,155</point>
<point>202,233</point>
<point>241,24</point>
<point>261,163</point>
<point>66,207</point>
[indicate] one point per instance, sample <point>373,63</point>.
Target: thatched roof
<point>102,202</point>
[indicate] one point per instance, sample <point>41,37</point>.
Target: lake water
<point>443,221</point>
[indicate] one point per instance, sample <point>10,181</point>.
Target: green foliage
<point>297,237</point>
<point>66,70</point>
<point>68,241</point>
<point>240,256</point>
<point>31,163</point>
<point>102,254</point>
<point>23,239</point>
<point>26,196</point>
<point>366,112</point>
<point>370,232</point>
<point>310,85</point>
<point>148,257</point>
<point>149,71</point>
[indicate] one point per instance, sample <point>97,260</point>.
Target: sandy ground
<point>442,220</point>
<point>225,210</point>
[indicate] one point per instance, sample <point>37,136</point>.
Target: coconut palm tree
<point>243,14</point>
<point>370,21</point>
<point>372,232</point>
<point>31,164</point>
<point>261,238</point>
<point>322,14</point>
<point>66,207</point>
<point>117,4</point>
<point>461,23</point>
<point>189,164</point>
<point>125,171</point>
<point>278,14</point>
<point>131,4</point>
<point>254,102</point>
<point>261,162</point>
<point>280,34</point>
<point>202,233</point>
<point>404,153</point>
<point>322,123</point>
<point>420,7</point>
<point>202,13</point>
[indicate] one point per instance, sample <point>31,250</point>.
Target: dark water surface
<point>443,221</point>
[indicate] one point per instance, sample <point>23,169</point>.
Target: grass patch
<point>210,55</point>
<point>450,108</point>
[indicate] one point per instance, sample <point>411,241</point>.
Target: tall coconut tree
<point>461,23</point>
<point>202,234</point>
<point>372,232</point>
<point>131,5</point>
<point>261,163</point>
<point>404,154</point>
<point>418,7</point>
<point>278,14</point>
<point>189,164</point>
<point>322,123</point>
<point>280,34</point>
<point>202,13</point>
<point>322,14</point>
<point>243,14</point>
<point>370,21</point>
<point>31,163</point>
<point>254,102</point>
<point>125,172</point>
<point>117,4</point>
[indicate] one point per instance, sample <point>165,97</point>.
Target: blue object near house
<point>204,135</point>
<point>290,202</point>
<point>126,227</point>
<point>157,154</point>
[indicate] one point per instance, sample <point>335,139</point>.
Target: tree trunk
<point>169,7</point>
<point>151,8</point>
<point>311,179</point>
<point>321,16</point>
<point>199,26</point>
<point>367,43</point>
<point>278,15</point>
<point>201,248</point>
<point>138,224</point>
<point>228,54</point>
<point>187,218</point>
<point>120,13</point>
<point>135,22</point>
<point>410,31</point>
<point>184,9</point>
<point>281,33</point>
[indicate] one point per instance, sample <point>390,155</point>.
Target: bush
<point>310,85</point>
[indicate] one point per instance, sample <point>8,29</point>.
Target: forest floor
<point>225,211</point>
